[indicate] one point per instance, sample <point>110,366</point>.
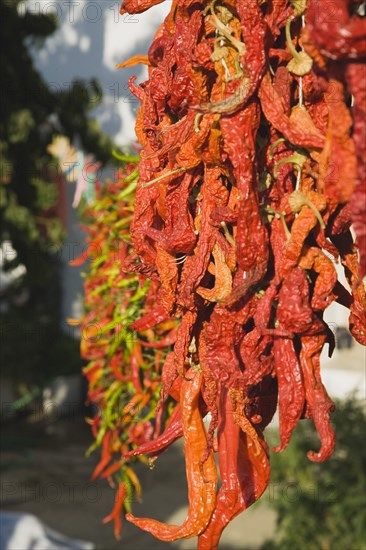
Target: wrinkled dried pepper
<point>201,482</point>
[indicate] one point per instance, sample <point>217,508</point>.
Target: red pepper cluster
<point>252,171</point>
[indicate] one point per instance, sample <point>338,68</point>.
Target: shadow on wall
<point>92,37</point>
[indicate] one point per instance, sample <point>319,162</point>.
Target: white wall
<point>92,37</point>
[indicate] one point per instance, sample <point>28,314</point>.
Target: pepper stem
<point>282,217</point>
<point>274,146</point>
<point>289,42</point>
<point>197,120</point>
<point>297,200</point>
<point>219,25</point>
<point>228,236</point>
<point>297,158</point>
<point>285,226</point>
<point>163,176</point>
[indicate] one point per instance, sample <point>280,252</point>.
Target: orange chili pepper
<point>201,484</point>
<point>115,515</point>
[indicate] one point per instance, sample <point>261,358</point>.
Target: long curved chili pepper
<point>201,485</point>
<point>115,515</point>
<point>318,401</point>
<point>315,259</point>
<point>291,394</point>
<point>240,485</point>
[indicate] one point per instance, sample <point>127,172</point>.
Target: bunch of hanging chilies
<point>252,172</point>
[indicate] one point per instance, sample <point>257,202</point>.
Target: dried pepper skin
<point>184,337</point>
<point>317,399</point>
<point>300,229</point>
<point>251,237</point>
<point>179,227</point>
<point>274,112</point>
<point>251,173</point>
<point>138,6</point>
<point>294,311</point>
<point>223,281</point>
<point>220,335</point>
<point>349,259</point>
<point>240,486</point>
<point>144,214</point>
<point>338,172</point>
<point>315,259</point>
<point>342,42</point>
<point>214,195</point>
<point>253,30</point>
<point>168,273</point>
<point>252,353</point>
<point>356,78</point>
<point>201,484</point>
<point>340,36</point>
<point>291,393</point>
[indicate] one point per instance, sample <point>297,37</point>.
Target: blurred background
<point>58,72</point>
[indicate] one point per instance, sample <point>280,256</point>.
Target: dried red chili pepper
<point>291,394</point>
<point>318,402</point>
<point>313,258</point>
<point>290,129</point>
<point>240,486</point>
<point>115,515</point>
<point>201,484</point>
<point>340,36</point>
<point>356,80</point>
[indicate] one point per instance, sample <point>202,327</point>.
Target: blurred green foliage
<point>322,506</point>
<point>31,113</point>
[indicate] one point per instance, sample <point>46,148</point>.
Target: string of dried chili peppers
<point>123,349</point>
<point>252,171</point>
